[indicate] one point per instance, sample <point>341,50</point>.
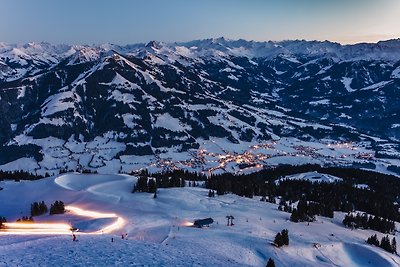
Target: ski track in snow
<point>157,235</point>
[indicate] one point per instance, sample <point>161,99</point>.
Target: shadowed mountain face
<point>154,97</point>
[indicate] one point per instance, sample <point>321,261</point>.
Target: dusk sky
<point>133,21</point>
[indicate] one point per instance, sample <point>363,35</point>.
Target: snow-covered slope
<point>313,177</point>
<point>158,234</point>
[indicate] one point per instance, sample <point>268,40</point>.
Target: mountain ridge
<point>151,99</point>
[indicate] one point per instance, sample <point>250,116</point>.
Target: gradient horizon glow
<point>134,21</point>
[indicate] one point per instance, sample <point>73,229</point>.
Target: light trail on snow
<point>119,223</point>
<point>29,228</point>
<point>89,213</point>
<point>187,224</point>
<point>24,228</point>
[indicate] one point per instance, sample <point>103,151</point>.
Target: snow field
<point>157,235</point>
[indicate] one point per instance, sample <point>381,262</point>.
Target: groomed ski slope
<point>157,235</point>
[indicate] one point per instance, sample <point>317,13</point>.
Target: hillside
<point>158,231</point>
<point>202,105</point>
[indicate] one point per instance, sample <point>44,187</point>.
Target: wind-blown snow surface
<point>157,235</point>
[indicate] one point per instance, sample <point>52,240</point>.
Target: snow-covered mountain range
<point>204,105</point>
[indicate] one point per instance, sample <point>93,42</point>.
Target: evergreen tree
<point>43,207</point>
<point>294,217</point>
<point>302,207</point>
<point>373,240</point>
<point>2,220</point>
<point>305,212</point>
<point>26,219</point>
<point>151,186</point>
<point>278,241</point>
<point>282,238</point>
<point>394,245</point>
<point>369,222</point>
<point>270,263</point>
<point>141,185</point>
<point>57,208</point>
<point>38,209</point>
<point>34,209</point>
<point>220,189</point>
<point>385,244</point>
<point>285,237</point>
